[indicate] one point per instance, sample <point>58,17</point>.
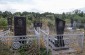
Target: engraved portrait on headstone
<point>20,23</point>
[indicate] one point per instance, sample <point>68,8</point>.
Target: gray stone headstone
<point>71,22</point>
<point>74,25</point>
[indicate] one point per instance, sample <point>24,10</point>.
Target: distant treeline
<point>77,15</point>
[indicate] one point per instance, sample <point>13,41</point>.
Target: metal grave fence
<point>31,44</point>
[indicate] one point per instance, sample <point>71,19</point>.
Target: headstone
<point>60,25</point>
<point>37,24</point>
<point>9,19</point>
<point>20,28</point>
<point>74,25</point>
<point>71,22</point>
<point>78,24</point>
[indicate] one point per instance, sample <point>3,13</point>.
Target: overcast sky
<point>55,6</point>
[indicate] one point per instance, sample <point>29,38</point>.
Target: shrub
<point>3,22</point>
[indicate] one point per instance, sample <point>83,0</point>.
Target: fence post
<point>37,32</point>
<point>47,44</point>
<point>82,41</point>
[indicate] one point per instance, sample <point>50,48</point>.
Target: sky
<point>54,6</point>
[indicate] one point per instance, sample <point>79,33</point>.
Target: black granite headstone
<point>60,25</point>
<point>37,24</point>
<point>20,28</point>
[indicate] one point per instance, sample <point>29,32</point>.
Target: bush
<point>3,22</point>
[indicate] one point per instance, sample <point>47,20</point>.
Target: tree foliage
<point>76,15</point>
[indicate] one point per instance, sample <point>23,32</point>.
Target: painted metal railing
<point>73,42</point>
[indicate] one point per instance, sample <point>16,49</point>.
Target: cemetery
<point>39,41</point>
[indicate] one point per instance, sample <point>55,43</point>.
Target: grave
<point>60,25</point>
<point>20,29</point>
<point>58,43</point>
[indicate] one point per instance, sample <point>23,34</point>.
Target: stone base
<point>64,52</point>
<point>61,48</point>
<point>53,45</point>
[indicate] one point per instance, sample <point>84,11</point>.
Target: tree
<point>76,11</point>
<point>36,16</point>
<point>0,14</point>
<point>81,14</point>
<point>7,14</point>
<point>63,15</point>
<point>46,13</point>
<point>17,14</point>
<point>3,23</point>
<point>24,13</point>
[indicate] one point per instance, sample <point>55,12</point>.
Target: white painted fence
<point>72,41</point>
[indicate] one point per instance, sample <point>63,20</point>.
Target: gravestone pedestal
<point>59,43</point>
